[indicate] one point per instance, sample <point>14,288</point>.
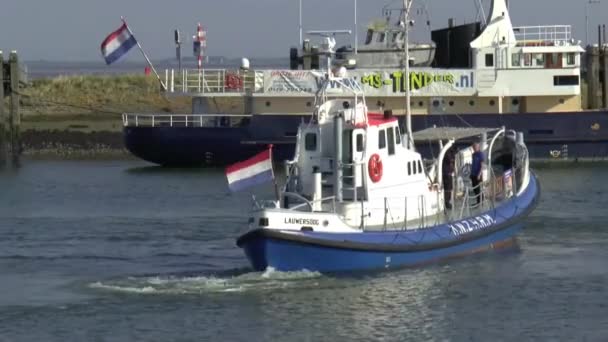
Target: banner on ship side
<point>423,82</point>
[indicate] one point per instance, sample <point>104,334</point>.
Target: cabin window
<point>397,135</point>
<point>381,139</point>
<point>419,166</point>
<point>409,168</point>
<point>310,141</point>
<point>527,59</point>
<point>391,141</point>
<point>539,59</point>
<point>369,37</point>
<point>381,36</point>
<point>489,59</point>
<point>571,59</point>
<point>569,80</point>
<point>516,60</point>
<point>395,35</point>
<point>359,142</point>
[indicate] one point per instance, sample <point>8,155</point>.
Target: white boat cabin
<point>376,172</point>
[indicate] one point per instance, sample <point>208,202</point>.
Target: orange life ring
<point>374,168</point>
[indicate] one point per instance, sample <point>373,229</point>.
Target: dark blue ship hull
<point>549,136</point>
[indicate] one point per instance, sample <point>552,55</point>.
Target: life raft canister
<point>374,168</point>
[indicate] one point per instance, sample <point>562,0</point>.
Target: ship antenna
<point>407,5</point>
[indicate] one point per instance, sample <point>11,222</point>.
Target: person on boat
<point>476,174</point>
<point>448,172</point>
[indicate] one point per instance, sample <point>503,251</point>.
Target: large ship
<point>484,74</point>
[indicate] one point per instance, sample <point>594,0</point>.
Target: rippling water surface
<point>123,251</point>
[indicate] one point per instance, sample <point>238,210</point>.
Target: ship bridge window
<point>516,60</point>
<point>391,141</point>
<point>489,59</point>
<point>381,36</point>
<point>310,141</point>
<point>381,139</point>
<point>539,59</point>
<point>554,60</point>
<point>571,59</point>
<point>569,80</point>
<point>397,135</point>
<point>419,166</point>
<point>527,59</point>
<point>369,37</point>
<point>395,35</point>
<point>409,168</point>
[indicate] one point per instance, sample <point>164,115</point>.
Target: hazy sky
<point>74,29</point>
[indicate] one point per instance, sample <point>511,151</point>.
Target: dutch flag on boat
<point>253,171</point>
<point>117,44</point>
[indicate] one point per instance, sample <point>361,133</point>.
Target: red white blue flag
<point>117,44</point>
<point>253,171</point>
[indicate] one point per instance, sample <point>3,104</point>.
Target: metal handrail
<point>548,33</point>
<point>308,203</point>
<point>214,81</point>
<point>178,120</point>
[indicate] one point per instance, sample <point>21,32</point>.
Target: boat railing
<point>494,190</point>
<point>184,120</point>
<point>543,35</point>
<point>307,204</point>
<point>215,81</point>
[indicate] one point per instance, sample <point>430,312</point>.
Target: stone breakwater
<point>58,144</point>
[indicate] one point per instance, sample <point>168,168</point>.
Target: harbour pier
<point>12,76</point>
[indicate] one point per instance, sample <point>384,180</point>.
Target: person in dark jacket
<point>447,169</point>
<point>476,174</point>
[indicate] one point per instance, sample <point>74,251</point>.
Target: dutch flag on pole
<point>117,44</point>
<point>253,171</point>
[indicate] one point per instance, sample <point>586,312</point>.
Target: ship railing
<point>214,81</point>
<point>183,120</point>
<point>309,205</point>
<point>542,35</point>
<point>498,188</point>
<point>395,214</point>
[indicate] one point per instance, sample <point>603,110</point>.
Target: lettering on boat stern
<point>302,221</point>
<point>471,224</point>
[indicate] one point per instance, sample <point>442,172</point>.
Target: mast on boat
<point>407,4</point>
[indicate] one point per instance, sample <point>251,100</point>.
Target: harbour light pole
<point>300,17</point>
<point>355,28</point>
<point>407,5</point>
<point>589,2</point>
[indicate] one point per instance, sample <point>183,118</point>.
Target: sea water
<point>126,251</point>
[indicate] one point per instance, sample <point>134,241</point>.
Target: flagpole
<point>144,54</point>
<point>274,179</point>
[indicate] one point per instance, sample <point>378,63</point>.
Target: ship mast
<point>407,4</point>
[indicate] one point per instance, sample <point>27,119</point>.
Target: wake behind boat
<point>358,196</point>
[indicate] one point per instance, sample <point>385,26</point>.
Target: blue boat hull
<point>549,136</point>
<point>336,252</point>
<point>288,256</point>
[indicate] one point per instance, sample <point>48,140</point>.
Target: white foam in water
<point>254,281</point>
